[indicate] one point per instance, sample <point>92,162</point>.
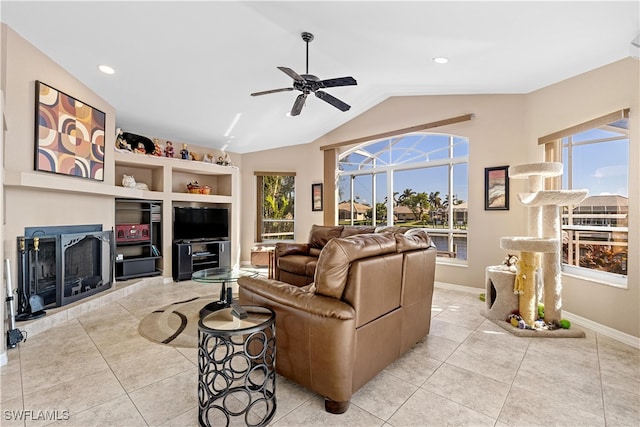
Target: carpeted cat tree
<point>538,276</point>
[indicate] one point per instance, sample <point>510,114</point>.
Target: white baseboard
<point>459,288</point>
<point>602,329</point>
<point>574,318</point>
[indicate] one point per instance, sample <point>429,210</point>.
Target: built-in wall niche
<point>220,184</point>
<point>148,174</point>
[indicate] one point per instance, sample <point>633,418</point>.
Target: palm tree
<point>434,200</point>
<point>278,202</point>
<point>405,196</point>
<point>418,203</point>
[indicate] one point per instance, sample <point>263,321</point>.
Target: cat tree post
<point>526,285</point>
<point>544,238</point>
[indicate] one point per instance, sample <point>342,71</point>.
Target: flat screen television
<point>196,223</point>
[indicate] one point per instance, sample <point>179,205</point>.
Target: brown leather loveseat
<point>370,302</point>
<point>295,263</point>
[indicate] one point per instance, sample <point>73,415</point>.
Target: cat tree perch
<point>540,251</point>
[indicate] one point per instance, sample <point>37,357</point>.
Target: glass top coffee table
<point>225,276</point>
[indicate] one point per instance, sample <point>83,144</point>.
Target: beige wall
<point>587,96</point>
<point>504,131</point>
<point>3,292</point>
<point>79,201</point>
<point>23,64</point>
<point>306,161</point>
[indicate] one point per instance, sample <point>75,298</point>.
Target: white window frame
<point>451,232</point>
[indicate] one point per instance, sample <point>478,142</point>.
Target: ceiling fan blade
<point>266,92</point>
<point>332,100</point>
<point>340,81</point>
<point>297,106</point>
<point>289,72</point>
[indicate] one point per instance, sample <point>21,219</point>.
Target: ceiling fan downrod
<point>307,37</point>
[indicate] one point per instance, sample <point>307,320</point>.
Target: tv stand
<point>196,255</point>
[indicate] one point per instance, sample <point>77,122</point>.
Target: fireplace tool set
<point>14,335</point>
<point>30,305</point>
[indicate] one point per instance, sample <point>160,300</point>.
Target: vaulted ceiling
<point>184,70</point>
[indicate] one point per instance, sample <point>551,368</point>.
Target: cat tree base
<point>574,332</point>
<point>499,299</point>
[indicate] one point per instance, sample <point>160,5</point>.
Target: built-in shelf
<point>167,179</point>
<point>170,176</point>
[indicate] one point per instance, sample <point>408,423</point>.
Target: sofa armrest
<point>316,335</point>
<point>300,298</point>
<point>283,249</point>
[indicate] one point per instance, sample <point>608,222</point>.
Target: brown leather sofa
<point>370,302</point>
<point>295,263</point>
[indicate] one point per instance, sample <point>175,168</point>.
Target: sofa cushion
<point>288,248</point>
<point>315,251</point>
<point>298,264</point>
<point>351,230</point>
<point>392,229</point>
<point>333,264</point>
<point>321,234</point>
<point>416,238</point>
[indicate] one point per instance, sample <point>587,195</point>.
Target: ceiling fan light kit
<point>308,83</point>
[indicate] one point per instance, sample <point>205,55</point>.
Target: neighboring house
<point>403,213</point>
<point>602,209</point>
<point>359,211</point>
<point>460,214</point>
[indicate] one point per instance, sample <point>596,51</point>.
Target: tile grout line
<point>604,406</point>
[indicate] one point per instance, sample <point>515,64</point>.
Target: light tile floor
<point>97,369</point>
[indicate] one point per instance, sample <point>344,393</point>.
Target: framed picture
<point>316,197</point>
<point>496,188</point>
<point>69,135</point>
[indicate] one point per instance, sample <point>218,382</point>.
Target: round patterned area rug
<point>175,324</point>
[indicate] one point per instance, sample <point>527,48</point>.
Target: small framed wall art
<point>316,197</point>
<point>69,135</point>
<point>496,188</point>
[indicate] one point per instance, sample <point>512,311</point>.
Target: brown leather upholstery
<point>370,303</point>
<point>295,263</point>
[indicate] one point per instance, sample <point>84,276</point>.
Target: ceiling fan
<point>307,83</point>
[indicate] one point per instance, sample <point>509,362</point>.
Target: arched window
<point>421,178</point>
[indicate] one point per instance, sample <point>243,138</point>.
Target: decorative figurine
<point>168,149</point>
<point>157,150</point>
<point>184,153</point>
<point>140,149</point>
<point>208,158</point>
<point>129,181</point>
<point>120,141</point>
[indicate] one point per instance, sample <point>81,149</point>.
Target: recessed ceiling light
<point>106,69</point>
<point>440,60</point>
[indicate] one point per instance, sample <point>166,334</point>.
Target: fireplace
<point>61,265</point>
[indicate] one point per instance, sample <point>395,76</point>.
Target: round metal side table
<point>236,367</point>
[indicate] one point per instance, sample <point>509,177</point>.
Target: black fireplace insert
<point>56,270</point>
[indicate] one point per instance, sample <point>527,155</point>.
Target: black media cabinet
<point>191,256</point>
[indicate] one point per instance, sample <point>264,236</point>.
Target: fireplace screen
<point>85,265</point>
<point>61,269</point>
